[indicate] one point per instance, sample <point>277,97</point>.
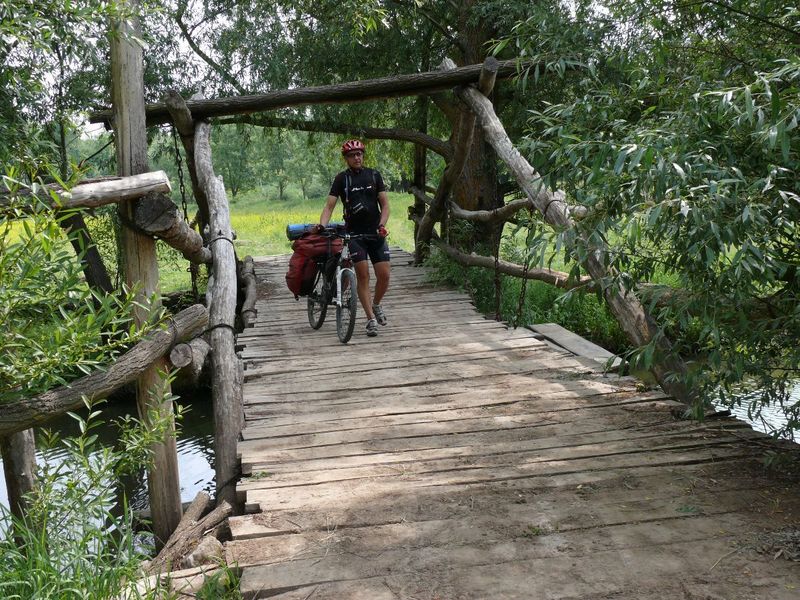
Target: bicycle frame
<point>342,265</point>
<point>333,294</point>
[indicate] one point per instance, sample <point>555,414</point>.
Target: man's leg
<point>382,275</point>
<point>362,278</point>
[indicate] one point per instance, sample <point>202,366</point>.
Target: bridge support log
<point>158,216</point>
<point>222,291</point>
<point>140,264</point>
<point>637,323</point>
<point>190,359</point>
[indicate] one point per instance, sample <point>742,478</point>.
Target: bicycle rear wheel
<point>346,310</point>
<point>318,302</point>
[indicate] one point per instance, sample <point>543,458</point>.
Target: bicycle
<point>335,284</point>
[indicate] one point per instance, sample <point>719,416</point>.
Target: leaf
<point>748,103</point>
<point>680,170</point>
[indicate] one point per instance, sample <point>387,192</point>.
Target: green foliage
<point>680,136</point>
<point>52,327</point>
<point>77,538</point>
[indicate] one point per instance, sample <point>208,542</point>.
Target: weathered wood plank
<point>449,445</point>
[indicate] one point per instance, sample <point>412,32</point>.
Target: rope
<point>220,325</point>
<point>220,237</point>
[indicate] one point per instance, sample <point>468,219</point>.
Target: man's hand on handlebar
<point>319,228</point>
<point>382,231</point>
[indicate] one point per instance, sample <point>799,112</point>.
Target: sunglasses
<point>354,154</point>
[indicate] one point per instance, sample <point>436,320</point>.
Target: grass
<point>260,223</point>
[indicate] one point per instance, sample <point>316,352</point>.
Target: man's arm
<point>383,200</point>
<point>327,211</point>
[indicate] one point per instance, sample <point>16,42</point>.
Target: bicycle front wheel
<point>346,310</point>
<point>318,302</point>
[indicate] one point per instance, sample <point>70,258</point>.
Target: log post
<point>637,323</point>
<point>248,311</point>
<point>222,294</point>
<point>138,254</point>
<point>190,359</point>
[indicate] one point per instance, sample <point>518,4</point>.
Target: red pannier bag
<point>302,264</point>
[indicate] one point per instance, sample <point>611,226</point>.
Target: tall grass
<point>260,223</point>
<point>77,537</point>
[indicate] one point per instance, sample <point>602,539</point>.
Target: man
<point>366,211</point>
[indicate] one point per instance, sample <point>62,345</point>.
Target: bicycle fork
<point>339,276</point>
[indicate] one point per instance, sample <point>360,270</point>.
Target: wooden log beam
<point>97,192</point>
<point>159,217</point>
<point>38,410</point>
<point>558,279</point>
<point>248,276</point>
<point>441,147</point>
<point>637,323</point>
<point>222,312</point>
<point>354,91</point>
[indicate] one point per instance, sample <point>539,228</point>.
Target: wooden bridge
<point>452,457</point>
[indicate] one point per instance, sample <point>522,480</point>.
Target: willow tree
<point>678,131</point>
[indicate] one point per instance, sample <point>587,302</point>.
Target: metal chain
<point>193,270</point>
<point>179,164</point>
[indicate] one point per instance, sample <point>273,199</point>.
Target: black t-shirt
<point>359,194</point>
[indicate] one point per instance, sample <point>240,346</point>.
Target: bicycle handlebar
<point>333,232</point>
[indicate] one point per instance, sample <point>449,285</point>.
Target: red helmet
<point>351,145</point>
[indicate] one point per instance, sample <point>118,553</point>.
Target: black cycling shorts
<point>376,248</point>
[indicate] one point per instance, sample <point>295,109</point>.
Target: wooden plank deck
<point>453,458</point>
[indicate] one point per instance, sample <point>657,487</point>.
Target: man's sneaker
<point>372,328</point>
<point>380,316</point>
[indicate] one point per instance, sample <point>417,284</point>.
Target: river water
<point>195,448</point>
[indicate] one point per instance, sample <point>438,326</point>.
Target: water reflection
<point>195,447</point>
<point>771,419</point>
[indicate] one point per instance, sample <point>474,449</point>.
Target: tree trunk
<point>639,326</point>
<point>19,464</point>
<point>93,267</point>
